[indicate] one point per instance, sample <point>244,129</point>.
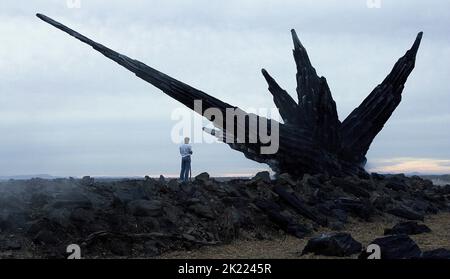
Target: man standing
<point>186,152</point>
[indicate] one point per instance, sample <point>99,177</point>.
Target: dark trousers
<point>185,168</point>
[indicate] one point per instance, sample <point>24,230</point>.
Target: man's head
<point>186,140</point>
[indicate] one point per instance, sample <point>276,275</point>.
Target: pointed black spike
<point>172,87</point>
<point>296,41</point>
<point>366,121</point>
<point>286,105</point>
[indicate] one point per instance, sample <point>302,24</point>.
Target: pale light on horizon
<point>411,165</point>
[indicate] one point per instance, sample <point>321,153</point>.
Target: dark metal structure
<point>311,138</point>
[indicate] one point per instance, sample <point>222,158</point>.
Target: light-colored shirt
<point>185,150</point>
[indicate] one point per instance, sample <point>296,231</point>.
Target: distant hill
<point>27,176</point>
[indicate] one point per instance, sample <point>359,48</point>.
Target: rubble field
<point>147,218</point>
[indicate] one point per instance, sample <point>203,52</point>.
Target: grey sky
<point>67,110</point>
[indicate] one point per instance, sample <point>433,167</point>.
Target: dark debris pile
<point>145,217</point>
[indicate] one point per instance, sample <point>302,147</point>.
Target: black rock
<point>162,179</point>
<point>120,247</point>
<point>128,191</point>
<point>405,212</point>
<point>381,201</point>
<point>174,185</point>
<point>45,237</point>
<point>299,205</point>
<point>71,200</point>
<point>436,254</point>
<point>203,177</point>
<point>337,244</point>
<point>187,189</point>
<point>409,228</point>
<point>297,229</point>
<point>145,207</point>
<point>377,176</point>
<point>286,179</point>
<point>356,207</point>
<point>5,223</point>
<point>421,206</point>
<point>336,225</point>
<point>349,186</point>
<point>87,181</point>
<point>10,244</point>
<point>151,248</point>
<point>39,200</point>
<point>262,176</point>
<point>202,210</point>
<point>82,215</point>
<point>229,223</point>
<point>149,223</point>
<point>445,189</point>
<point>396,185</point>
<point>340,215</point>
<point>46,231</point>
<point>273,210</point>
<point>399,246</point>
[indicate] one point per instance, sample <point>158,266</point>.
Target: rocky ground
<point>159,217</point>
<point>290,247</point>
